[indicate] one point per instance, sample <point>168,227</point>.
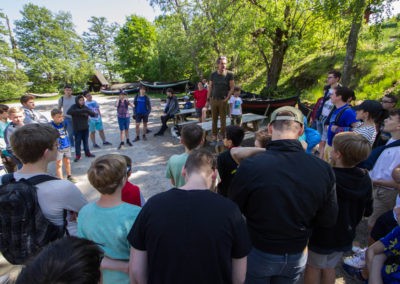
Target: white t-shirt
<point>236,105</point>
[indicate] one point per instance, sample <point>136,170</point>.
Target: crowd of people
<point>272,213</point>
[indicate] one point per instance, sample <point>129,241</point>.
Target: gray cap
<point>287,113</point>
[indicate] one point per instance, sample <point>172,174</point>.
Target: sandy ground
<point>149,160</point>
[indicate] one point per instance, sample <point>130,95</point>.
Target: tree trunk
<point>352,40</point>
<point>13,44</point>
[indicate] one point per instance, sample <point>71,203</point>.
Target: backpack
<point>24,230</point>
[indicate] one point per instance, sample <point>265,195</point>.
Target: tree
<point>53,52</point>
<point>99,43</point>
<point>136,45</point>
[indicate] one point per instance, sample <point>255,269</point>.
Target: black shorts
<point>140,117</point>
<point>383,225</point>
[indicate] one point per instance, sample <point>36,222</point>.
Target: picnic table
<point>180,116</point>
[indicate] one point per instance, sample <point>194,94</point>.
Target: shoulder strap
<point>7,178</point>
<point>41,178</point>
<point>339,114</point>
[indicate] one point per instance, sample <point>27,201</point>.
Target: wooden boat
<point>46,95</point>
<point>265,106</point>
<point>164,85</point>
<point>117,91</point>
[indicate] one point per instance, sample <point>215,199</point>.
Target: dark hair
<point>335,73</point>
<point>374,109</point>
<point>67,86</point>
<point>392,97</point>
<point>237,88</point>
<point>30,141</point>
<point>235,134</point>
<point>191,135</point>
<point>345,93</point>
<point>25,98</point>
<point>55,111</point>
<point>395,112</point>
<point>200,159</point>
<point>220,58</point>
<point>141,86</point>
<point>3,108</point>
<point>170,90</point>
<point>128,161</point>
<point>67,260</point>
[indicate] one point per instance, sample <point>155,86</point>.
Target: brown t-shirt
<point>220,84</point>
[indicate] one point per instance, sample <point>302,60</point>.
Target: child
<point>80,116</point>
<point>188,104</point>
<point>16,116</point>
<point>108,175</point>
<point>226,165</point>
<point>354,194</point>
<point>31,115</point>
<point>123,114</point>
<point>64,146</point>
<point>3,124</point>
<point>235,107</point>
<point>200,99</point>
<point>130,192</point>
<point>262,138</point>
<point>191,138</point>
<point>371,114</point>
<point>141,112</point>
<point>95,123</point>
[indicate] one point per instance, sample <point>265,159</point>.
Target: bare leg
<point>312,275</point>
<point>126,134</point>
<point>138,129</point>
<point>321,149</point>
<point>121,135</point>
<point>328,276</point>
<point>67,164</point>
<point>93,137</point>
<point>375,269</point>
<point>59,172</point>
<point>144,128</point>
<point>102,135</point>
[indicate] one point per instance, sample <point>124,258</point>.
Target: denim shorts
<point>123,123</point>
<point>95,125</point>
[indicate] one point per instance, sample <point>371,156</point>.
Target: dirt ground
<point>149,160</point>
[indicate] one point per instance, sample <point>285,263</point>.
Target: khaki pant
<point>384,200</point>
<point>218,109</point>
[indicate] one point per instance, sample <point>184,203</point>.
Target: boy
<point>354,194</point>
<point>80,116</point>
<point>171,108</point>
<point>95,123</point>
<point>64,146</point>
<point>235,107</point>
<point>31,115</point>
<point>3,124</point>
<point>16,116</point>
<point>200,236</point>
<point>342,118</point>
<point>141,112</point>
<point>188,104</point>
<point>64,103</point>
<point>124,119</point>
<point>107,175</point>
<point>200,99</point>
<point>130,192</point>
<point>226,165</point>
<point>191,138</point>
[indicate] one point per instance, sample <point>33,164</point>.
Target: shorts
<point>140,117</point>
<point>66,152</point>
<point>384,200</point>
<point>95,125</point>
<point>123,123</point>
<point>199,111</point>
<point>383,225</point>
<point>324,261</point>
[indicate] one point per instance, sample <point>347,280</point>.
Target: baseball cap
<point>370,106</point>
<point>186,97</point>
<point>287,113</point>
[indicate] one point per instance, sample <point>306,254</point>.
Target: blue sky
<point>82,10</point>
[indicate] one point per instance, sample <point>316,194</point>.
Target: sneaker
<point>120,145</point>
<point>71,179</point>
<point>353,272</point>
<point>129,143</point>
<point>77,158</point>
<point>136,139</point>
<point>96,146</point>
<point>148,130</point>
<point>144,138</point>
<point>90,155</point>
<point>106,143</point>
<point>357,260</point>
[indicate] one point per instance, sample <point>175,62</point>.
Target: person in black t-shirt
<point>190,234</point>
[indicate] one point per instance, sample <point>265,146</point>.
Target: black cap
<point>370,106</point>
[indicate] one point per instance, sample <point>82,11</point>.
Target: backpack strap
<point>40,178</point>
<point>7,178</point>
<point>339,115</point>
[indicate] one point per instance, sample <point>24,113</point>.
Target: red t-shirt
<point>131,194</point>
<point>200,97</point>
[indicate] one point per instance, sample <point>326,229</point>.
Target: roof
<point>101,78</point>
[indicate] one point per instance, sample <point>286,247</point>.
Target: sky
<point>82,10</point>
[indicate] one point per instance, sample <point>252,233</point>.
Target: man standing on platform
<point>220,89</point>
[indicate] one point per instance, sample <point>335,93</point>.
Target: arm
<point>113,264</point>
<point>209,92</point>
<point>240,153</point>
<point>60,101</point>
<point>138,266</point>
<point>231,86</point>
<point>239,270</point>
<point>385,183</point>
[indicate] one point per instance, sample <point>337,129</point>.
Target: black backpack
<point>24,230</point>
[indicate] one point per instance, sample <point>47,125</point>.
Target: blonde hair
<point>107,173</point>
<point>13,110</point>
<point>353,147</point>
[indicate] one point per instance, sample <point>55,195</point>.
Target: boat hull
<point>266,106</point>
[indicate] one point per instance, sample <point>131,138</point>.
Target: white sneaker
<point>357,260</point>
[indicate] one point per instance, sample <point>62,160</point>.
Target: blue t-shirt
<point>188,105</point>
<point>391,271</point>
<point>63,140</point>
<point>109,227</point>
<point>141,105</point>
<point>93,106</point>
<point>344,123</point>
